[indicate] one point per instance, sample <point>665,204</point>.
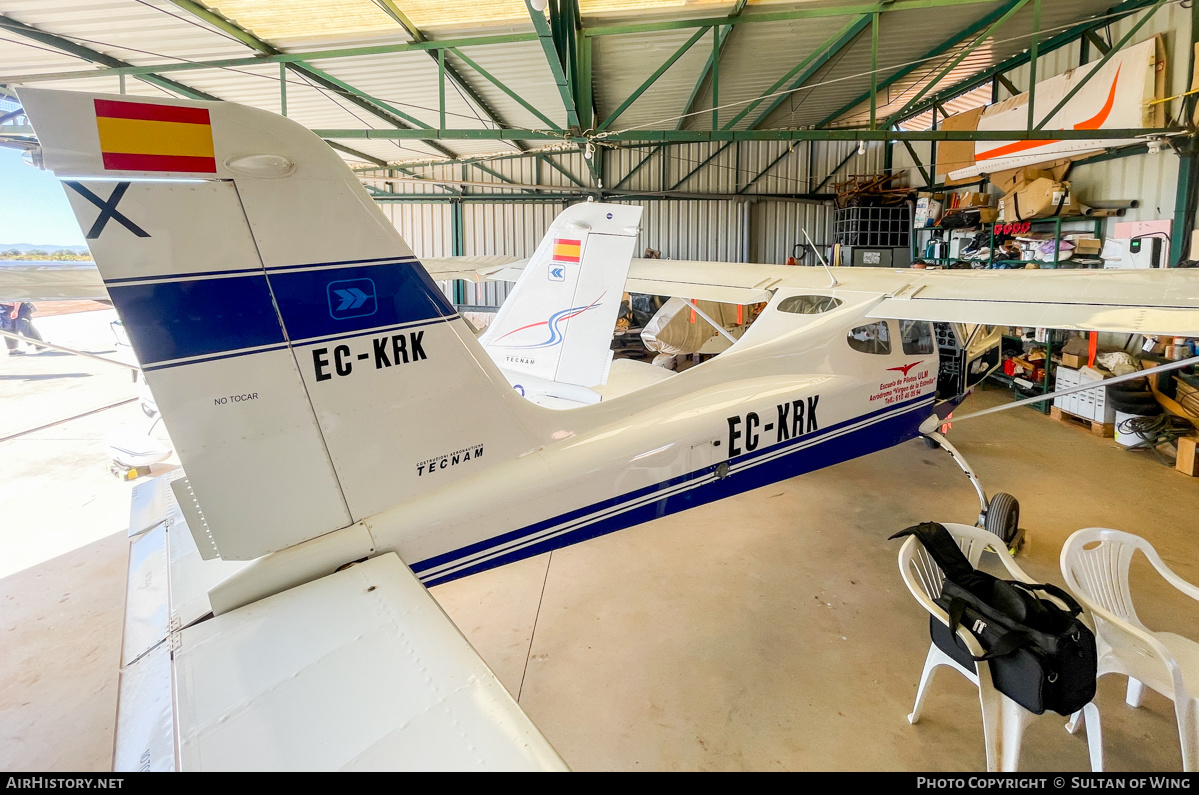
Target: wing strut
<point>934,421</point>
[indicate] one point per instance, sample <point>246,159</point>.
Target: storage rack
<point>1009,382</point>
<point>1097,230</point>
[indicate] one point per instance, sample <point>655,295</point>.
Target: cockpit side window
<point>916,336</point>
<point>809,304</point>
<point>874,338</point>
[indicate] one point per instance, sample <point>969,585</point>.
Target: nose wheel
<point>999,514</point>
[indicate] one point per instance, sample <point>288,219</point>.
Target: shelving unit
<point>1056,223</point>
<point>1009,382</point>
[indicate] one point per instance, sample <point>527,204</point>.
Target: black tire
<point>1137,386</point>
<point>1145,405</point>
<point>1003,517</point>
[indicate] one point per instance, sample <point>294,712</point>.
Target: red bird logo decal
<point>905,368</point>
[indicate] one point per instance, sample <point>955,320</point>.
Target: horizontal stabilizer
<point>360,670</point>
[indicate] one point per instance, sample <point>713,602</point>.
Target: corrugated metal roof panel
<point>903,29</point>
<point>620,64</point>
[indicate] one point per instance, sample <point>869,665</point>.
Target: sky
<point>33,207</point>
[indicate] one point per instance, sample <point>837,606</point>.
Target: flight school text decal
<point>789,421</point>
<point>384,352</point>
<point>447,460</point>
<point>912,383</point>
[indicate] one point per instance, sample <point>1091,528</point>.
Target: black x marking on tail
<point>108,210</point>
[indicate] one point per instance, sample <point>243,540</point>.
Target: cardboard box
<point>1074,361</point>
<point>988,215</point>
<point>1039,199</point>
<point>1087,245</point>
<point>972,199</point>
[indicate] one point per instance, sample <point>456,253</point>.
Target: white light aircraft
<point>347,440</point>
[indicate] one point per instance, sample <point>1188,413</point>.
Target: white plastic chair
<point>1095,564</point>
<point>1003,719</point>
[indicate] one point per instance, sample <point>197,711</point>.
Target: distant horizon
<point>46,246</point>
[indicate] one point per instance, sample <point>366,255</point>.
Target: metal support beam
<point>498,176</point>
<point>811,64</point>
<point>928,181</point>
<point>763,172</point>
<point>940,49</point>
<point>444,70</point>
<point>549,161</point>
<point>86,53</point>
<point>1127,37</point>
<point>371,105</point>
<point>1008,84</point>
<point>1032,61</point>
<point>873,71</point>
<point>692,136</point>
<point>1099,44</point>
<point>653,78</point>
<point>639,165</point>
<point>549,46</point>
<point>713,60</point>
<point>702,163</point>
<point>502,87</point>
<point>833,173</point>
<point>830,10</point>
<point>961,56</point>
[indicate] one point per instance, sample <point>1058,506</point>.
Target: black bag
<point>1040,656</point>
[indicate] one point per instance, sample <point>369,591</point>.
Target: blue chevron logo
<point>351,298</point>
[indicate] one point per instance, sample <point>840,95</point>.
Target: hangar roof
<point>348,67</point>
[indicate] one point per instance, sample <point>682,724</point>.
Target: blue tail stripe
<point>181,319</point>
<point>174,320</point>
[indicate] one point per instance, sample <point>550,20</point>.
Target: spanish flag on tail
<point>139,136</point>
<point>567,250</point>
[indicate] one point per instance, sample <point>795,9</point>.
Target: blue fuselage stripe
<point>185,318</point>
<point>810,452</point>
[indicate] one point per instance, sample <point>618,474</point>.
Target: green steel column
<point>586,102</point>
<point>715,77</point>
<point>441,89</point>
<point>121,82</point>
<point>873,70</point>
<point>282,89</point>
<point>1032,61</point>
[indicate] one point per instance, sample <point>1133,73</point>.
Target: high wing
<point>470,268</point>
<point>1127,301</point>
<point>35,281</point>
<point>1141,301</point>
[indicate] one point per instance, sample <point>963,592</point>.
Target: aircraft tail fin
<point>309,371</point>
<point>556,324</point>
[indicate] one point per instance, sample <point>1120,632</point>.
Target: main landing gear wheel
<point>1003,518</point>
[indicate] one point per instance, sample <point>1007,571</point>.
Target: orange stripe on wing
<point>1093,123</point>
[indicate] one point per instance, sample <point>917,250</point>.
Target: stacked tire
<point>1133,397</point>
<point>1130,400</point>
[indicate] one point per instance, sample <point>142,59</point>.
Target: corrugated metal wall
<point>751,224</point>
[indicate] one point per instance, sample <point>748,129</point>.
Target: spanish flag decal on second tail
<point>567,250</point>
<point>139,136</point>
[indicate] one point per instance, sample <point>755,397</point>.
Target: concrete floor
<point>770,631</point>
